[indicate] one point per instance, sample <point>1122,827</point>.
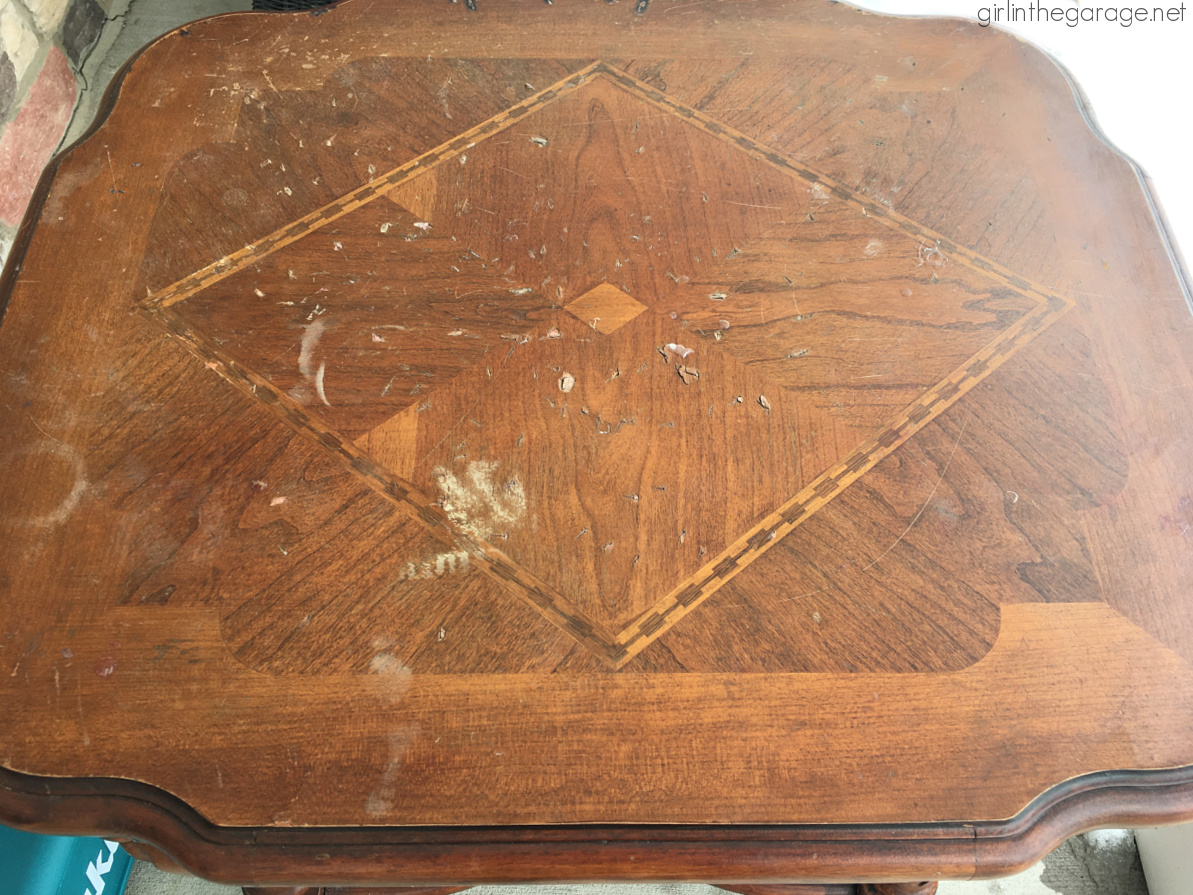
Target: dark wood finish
<point>740,443</point>
<point>143,851</point>
<point>625,853</point>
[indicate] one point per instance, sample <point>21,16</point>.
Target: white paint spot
<point>277,501</point>
<point>62,512</point>
<point>380,802</point>
<point>397,677</point>
<point>388,663</point>
<point>306,364</point>
<point>873,247</point>
<point>477,504</point>
<point>422,225</point>
<point>929,255</point>
<point>310,338</point>
<point>567,382</point>
<point>681,350</point>
<point>319,384</point>
<point>437,566</point>
<point>385,227</point>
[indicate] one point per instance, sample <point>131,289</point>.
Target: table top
<point>740,440</point>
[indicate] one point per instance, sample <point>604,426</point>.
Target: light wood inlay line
<point>349,202</point>
<point>683,599</point>
<point>615,647</point>
<point>465,539</point>
<point>403,494</point>
<point>884,215</point>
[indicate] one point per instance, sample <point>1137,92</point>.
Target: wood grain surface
<point>712,418</point>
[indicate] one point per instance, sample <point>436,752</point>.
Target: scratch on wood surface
<point>931,494</point>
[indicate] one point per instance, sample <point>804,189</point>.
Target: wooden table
<point>744,442</point>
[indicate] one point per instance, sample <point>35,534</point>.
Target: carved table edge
<point>714,853</point>
<point>748,854</point>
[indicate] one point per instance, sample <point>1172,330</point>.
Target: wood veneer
<point>737,442</point>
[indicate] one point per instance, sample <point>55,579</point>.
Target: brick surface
<point>81,28</point>
<point>30,138</point>
<point>47,14</point>
<point>17,37</point>
<point>8,86</point>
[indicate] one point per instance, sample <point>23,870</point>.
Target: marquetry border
<point>614,647</point>
<point>303,226</point>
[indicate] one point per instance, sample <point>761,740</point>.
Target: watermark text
<point>1036,11</point>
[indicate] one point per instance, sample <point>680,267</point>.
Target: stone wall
<point>43,47</point>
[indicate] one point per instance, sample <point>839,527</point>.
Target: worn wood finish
<point>734,442</point>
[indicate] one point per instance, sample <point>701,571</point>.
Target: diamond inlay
<point>605,308</point>
<point>623,292</point>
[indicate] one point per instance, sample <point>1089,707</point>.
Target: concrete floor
<point>1104,863</point>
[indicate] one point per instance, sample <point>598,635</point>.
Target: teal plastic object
<point>61,865</point>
